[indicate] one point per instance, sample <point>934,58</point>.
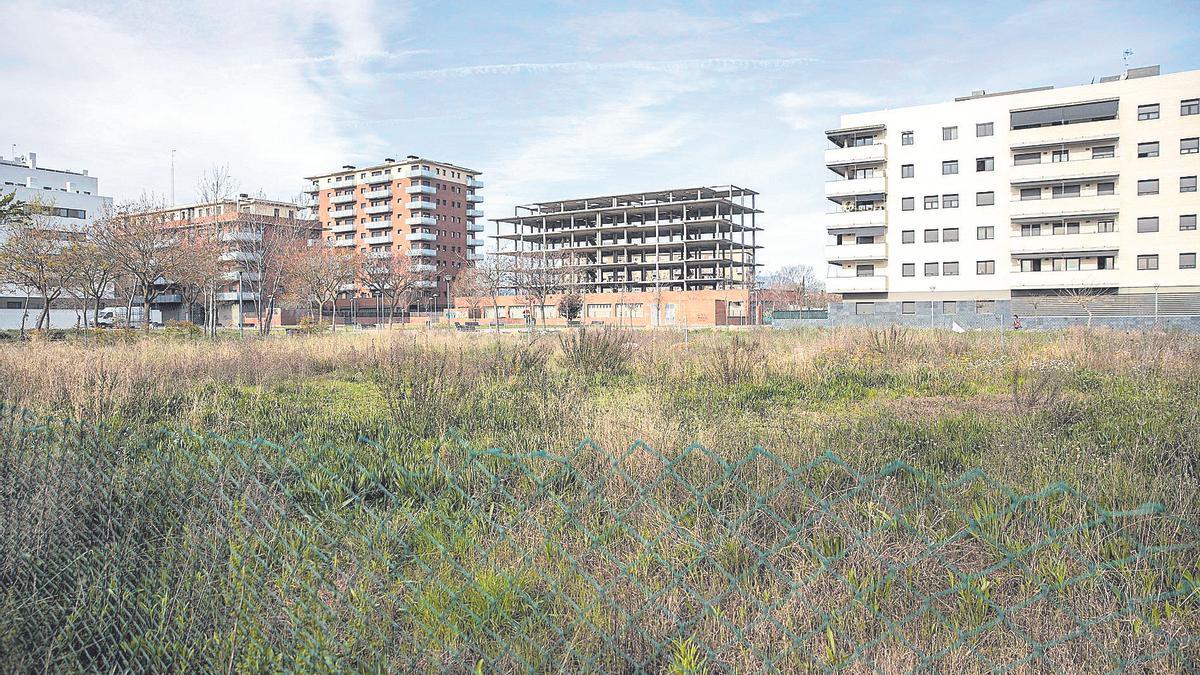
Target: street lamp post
<point>241,314</point>
<point>932,304</point>
<point>1156,305</point>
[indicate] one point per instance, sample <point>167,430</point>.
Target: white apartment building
<point>1028,202</point>
<point>74,195</point>
<point>72,198</point>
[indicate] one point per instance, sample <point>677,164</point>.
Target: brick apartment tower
<point>424,210</point>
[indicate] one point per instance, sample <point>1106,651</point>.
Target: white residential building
<point>1011,202</point>
<point>74,195</point>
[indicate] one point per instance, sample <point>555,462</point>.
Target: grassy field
<point>622,557</point>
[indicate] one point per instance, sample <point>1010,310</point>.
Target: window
<point>985,198</point>
<point>906,138</point>
<point>1030,193</point>
<point>863,308</point>
<point>1106,188</point>
<point>1147,224</point>
<point>1065,264</point>
<point>1065,228</point>
<point>1106,262</point>
<point>1104,151</point>
<point>1147,112</point>
<point>1060,156</point>
<point>984,129</point>
<point>599,311</point>
<point>1189,106</point>
<point>908,307</point>
<point>1072,113</point>
<point>1147,262</point>
<point>949,201</point>
<point>949,133</point>
<point>985,164</point>
<point>1106,226</point>
<point>1023,158</point>
<point>1187,223</point>
<point>906,171</point>
<point>985,306</point>
<point>985,232</point>
<point>950,269</point>
<point>949,307</point>
<point>1187,146</point>
<point>1031,265</point>
<point>949,167</point>
<point>908,270</point>
<point>1187,183</point>
<point>985,267</point>
<point>931,236</point>
<point>950,234</point>
<point>1151,149</point>
<point>907,203</point>
<point>931,269</point>
<point>1148,187</point>
<point>1187,261</point>
<point>1031,230</point>
<point>908,236</point>
<point>931,202</point>
<point>1060,191</point>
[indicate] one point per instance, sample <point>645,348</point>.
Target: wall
<point>690,308</point>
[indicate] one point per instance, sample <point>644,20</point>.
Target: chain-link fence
<point>186,552</point>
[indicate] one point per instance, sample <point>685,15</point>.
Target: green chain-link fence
<point>184,552</point>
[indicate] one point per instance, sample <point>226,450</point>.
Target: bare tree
<point>536,275</point>
<point>32,256</point>
<point>319,273</point>
<point>389,277</point>
<point>198,271</point>
<point>473,285</point>
<point>143,241</point>
<point>269,261</point>
<point>794,284</point>
<point>216,184</point>
<point>1086,298</point>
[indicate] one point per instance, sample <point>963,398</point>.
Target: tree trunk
<point>24,315</point>
<point>44,315</point>
<point>146,308</point>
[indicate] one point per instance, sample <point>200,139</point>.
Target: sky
<point>548,99</point>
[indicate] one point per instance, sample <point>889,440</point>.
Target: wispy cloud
<point>574,67</point>
<point>811,109</point>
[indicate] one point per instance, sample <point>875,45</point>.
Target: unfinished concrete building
<point>692,239</point>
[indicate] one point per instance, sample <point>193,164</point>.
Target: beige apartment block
<point>427,211</point>
<point>1012,202</point>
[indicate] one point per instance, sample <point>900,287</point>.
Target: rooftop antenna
<point>172,177</point>
<point>1125,55</point>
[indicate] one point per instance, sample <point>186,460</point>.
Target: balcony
<point>241,236</point>
<point>345,243</point>
<point>376,180</point>
<point>474,213</point>
<point>378,209</point>
<point>1033,210</point>
<point>848,252</point>
<point>875,284</point>
<point>342,213</point>
<point>378,239</point>
<point>859,154</point>
<point>421,236</point>
<point>422,173</point>
<point>384,224</point>
<point>850,218</point>
<point>1064,134</point>
<point>168,299</point>
<point>474,227</point>
<point>1083,243</point>
<point>419,268</point>
<point>347,287</point>
<point>420,205</point>
<point>875,185</point>
<point>1073,171</point>
<point>475,256</point>
<point>420,190</point>
<point>342,228</point>
<point>472,241</point>
<point>240,256</point>
<point>474,198</point>
<point>421,220</point>
<point>1065,279</point>
<point>342,199</point>
<point>379,255</point>
<point>474,182</point>
<point>234,296</point>
<point>244,276</point>
<point>420,252</point>
<point>423,283</point>
<point>385,193</point>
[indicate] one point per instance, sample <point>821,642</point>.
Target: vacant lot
<point>425,501</point>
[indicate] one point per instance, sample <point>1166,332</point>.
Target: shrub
<point>603,352</point>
